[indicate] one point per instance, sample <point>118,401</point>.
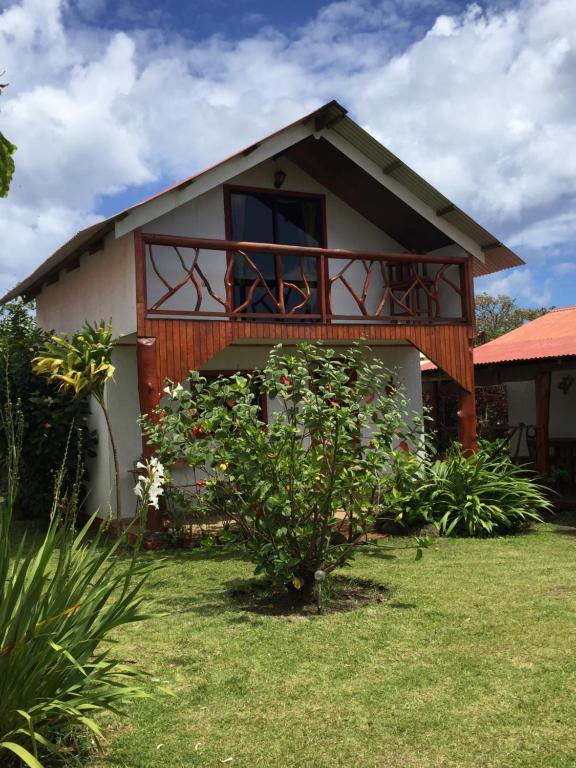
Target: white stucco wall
<point>103,287</point>
<point>124,408</point>
<point>521,410</point>
<point>522,407</point>
<point>562,406</point>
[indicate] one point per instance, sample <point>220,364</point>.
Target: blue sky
<point>111,101</point>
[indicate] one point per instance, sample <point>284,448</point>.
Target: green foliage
<point>7,150</point>
<point>82,365</point>
<point>48,413</point>
<point>58,603</point>
<point>303,489</point>
<point>7,167</point>
<point>482,494</point>
<point>497,315</point>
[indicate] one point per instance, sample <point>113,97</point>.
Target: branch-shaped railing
<point>193,277</point>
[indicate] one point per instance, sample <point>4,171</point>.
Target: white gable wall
<point>102,287</point>
<point>204,217</point>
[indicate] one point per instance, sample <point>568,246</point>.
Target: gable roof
<point>329,122</point>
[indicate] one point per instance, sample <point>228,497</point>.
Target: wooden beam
<point>542,391</point>
<point>343,253</point>
<point>391,167</point>
<point>447,345</point>
<point>447,209</point>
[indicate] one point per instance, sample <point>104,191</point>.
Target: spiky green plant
<point>483,494</point>
<point>82,365</point>
<point>58,603</point>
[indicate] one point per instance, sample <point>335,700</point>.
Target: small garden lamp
<point>319,577</point>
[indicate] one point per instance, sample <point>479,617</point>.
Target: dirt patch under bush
<point>342,594</point>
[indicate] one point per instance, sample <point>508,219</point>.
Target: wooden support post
<point>542,391</point>
<point>149,395</point>
<point>467,428</point>
<point>467,421</point>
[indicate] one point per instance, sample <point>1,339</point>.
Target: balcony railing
<point>200,278</point>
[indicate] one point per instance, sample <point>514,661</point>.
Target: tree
<point>7,150</point>
<point>83,365</point>
<point>303,490</point>
<point>497,315</point>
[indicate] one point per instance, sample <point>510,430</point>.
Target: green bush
<point>59,602</point>
<point>482,494</point>
<point>302,490</point>
<point>48,413</point>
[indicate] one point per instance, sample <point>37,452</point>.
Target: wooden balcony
<point>201,279</point>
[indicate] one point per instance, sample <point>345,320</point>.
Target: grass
<point>469,662</point>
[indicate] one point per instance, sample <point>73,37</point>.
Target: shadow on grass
<point>201,554</point>
<point>565,522</point>
<point>343,594</point>
<point>241,597</point>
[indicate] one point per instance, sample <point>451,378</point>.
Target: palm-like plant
<point>82,365</point>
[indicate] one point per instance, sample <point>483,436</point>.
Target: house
<point>536,363</point>
<point>314,232</point>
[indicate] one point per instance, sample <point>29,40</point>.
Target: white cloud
<point>521,283</point>
<point>564,268</point>
<point>480,104</point>
<point>551,231</point>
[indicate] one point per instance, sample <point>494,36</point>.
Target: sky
<point>111,100</point>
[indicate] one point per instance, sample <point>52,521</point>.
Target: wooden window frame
<point>322,268</point>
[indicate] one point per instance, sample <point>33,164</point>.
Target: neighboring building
<point>537,364</point>
<point>315,232</point>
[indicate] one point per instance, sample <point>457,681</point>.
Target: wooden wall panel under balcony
<point>183,345</point>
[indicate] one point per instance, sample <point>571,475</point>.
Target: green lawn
<point>470,661</point>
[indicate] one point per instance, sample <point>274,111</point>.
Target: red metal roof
<point>552,335</point>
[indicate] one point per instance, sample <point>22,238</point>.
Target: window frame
<point>229,189</point>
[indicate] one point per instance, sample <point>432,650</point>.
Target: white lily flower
<point>150,486</point>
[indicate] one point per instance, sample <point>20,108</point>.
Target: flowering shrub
<point>302,490</point>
